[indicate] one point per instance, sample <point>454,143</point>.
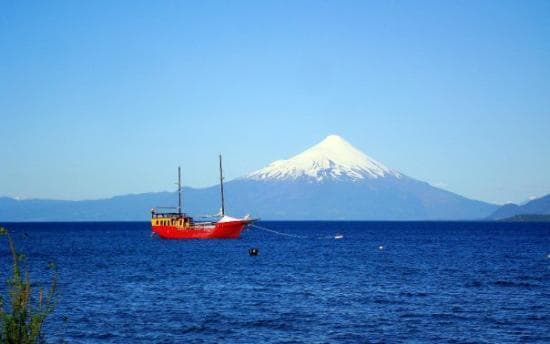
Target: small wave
<point>413,294</point>
<point>530,278</point>
<point>473,284</point>
<point>274,324</point>
<point>195,329</point>
<point>103,336</point>
<point>536,317</point>
<point>448,316</point>
<point>498,321</point>
<point>202,328</point>
<point>505,283</point>
<point>382,301</point>
<point>410,315</point>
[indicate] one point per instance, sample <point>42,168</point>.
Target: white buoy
<point>380,247</point>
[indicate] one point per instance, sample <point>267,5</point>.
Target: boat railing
<point>164,214</point>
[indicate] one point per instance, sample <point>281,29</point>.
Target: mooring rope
<point>277,232</point>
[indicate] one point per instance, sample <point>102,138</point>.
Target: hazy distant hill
<point>540,206</point>
<point>330,181</point>
<point>527,218</point>
<point>120,208</point>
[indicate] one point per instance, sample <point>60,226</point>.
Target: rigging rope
<point>279,233</point>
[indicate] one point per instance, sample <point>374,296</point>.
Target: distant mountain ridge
<point>539,206</point>
<point>330,181</point>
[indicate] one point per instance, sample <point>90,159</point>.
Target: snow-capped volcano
<point>300,188</point>
<point>333,158</point>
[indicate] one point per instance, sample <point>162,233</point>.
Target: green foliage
<point>22,318</point>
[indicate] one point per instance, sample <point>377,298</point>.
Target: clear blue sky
<point>99,98</point>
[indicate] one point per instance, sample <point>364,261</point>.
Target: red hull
<point>218,230</point>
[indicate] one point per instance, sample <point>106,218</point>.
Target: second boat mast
<point>221,185</point>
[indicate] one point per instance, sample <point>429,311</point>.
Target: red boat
<point>178,225</point>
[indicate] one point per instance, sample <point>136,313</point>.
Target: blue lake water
<point>432,282</point>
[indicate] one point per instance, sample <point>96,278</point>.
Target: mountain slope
<point>540,206</point>
<point>375,200</point>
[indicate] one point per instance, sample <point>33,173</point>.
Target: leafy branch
<point>21,319</point>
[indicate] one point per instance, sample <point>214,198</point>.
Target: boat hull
<point>218,230</point>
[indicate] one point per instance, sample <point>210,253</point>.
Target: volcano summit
<point>333,158</point>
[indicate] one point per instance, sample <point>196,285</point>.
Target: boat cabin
<point>170,219</point>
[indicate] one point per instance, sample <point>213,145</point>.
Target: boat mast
<point>179,190</point>
<point>221,185</point>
